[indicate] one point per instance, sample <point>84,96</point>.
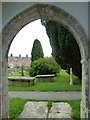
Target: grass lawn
<point>17,104</point>
<point>61,83</point>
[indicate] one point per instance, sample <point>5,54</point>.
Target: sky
<point>23,41</point>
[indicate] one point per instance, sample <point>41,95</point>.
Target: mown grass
<point>61,83</point>
<point>17,105</point>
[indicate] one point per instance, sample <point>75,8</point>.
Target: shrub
<point>44,66</point>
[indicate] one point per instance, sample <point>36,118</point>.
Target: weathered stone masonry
<point>51,13</point>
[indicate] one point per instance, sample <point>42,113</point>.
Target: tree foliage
<point>44,66</point>
<point>65,49</point>
<point>37,51</point>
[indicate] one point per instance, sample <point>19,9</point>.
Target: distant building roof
<point>19,57</point>
<point>19,60</point>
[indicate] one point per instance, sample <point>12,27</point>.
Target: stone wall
<point>51,13</point>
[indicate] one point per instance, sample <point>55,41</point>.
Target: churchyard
<point>60,83</point>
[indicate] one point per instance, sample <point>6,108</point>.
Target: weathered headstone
<point>71,77</point>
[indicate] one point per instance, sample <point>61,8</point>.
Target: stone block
<point>21,81</point>
<point>45,78</point>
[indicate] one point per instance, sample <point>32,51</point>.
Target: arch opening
<point>48,12</point>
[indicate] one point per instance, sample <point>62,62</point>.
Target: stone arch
<point>51,13</point>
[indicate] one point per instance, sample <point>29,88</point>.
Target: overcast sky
<point>23,42</point>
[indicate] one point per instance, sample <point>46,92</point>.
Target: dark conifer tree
<point>37,51</point>
<point>65,49</point>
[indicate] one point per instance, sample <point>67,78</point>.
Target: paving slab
<point>38,110</point>
<point>61,107</point>
<point>35,110</point>
<point>60,110</point>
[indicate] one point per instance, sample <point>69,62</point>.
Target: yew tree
<point>65,49</point>
<point>37,51</point>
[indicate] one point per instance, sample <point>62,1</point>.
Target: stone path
<point>46,95</point>
<point>40,110</point>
